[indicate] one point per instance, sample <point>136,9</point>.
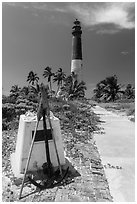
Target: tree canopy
<point>108,89</point>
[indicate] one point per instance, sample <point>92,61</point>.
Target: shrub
<point>4,124</point>
<point>8,115</point>
<point>132,119</point>
<point>131,111</point>
<point>8,111</point>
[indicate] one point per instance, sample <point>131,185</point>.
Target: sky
<point>38,34</point>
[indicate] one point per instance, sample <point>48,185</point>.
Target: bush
<point>4,124</point>
<point>75,115</point>
<point>8,111</point>
<point>122,106</point>
<point>132,119</point>
<point>8,115</point>
<point>131,111</point>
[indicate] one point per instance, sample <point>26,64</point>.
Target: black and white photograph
<point>68,101</point>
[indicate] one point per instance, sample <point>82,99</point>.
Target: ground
<point>86,180</point>
<point>90,177</point>
<point>117,150</point>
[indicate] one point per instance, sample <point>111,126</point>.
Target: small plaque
<point>40,135</point>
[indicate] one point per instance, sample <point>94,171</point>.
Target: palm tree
<point>48,74</point>
<point>32,78</point>
<point>59,77</point>
<point>129,92</point>
<point>25,91</point>
<point>74,89</point>
<point>78,90</point>
<point>34,88</point>
<point>15,91</point>
<point>108,89</point>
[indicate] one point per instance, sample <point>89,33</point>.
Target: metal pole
<point>28,160</point>
<point>46,105</point>
<point>55,145</point>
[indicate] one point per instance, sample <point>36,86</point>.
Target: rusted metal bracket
<point>50,183</point>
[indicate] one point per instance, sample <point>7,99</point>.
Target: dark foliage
<point>108,90</point>
<point>73,89</point>
<point>129,92</point>
<point>32,78</point>
<point>74,115</point>
<point>48,74</point>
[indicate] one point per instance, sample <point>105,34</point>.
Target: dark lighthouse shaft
<point>76,62</point>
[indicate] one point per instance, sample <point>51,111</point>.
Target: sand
<point>117,148</point>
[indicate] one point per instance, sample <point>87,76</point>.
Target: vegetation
<point>59,77</point>
<point>125,108</point>
<point>68,89</point>
<point>48,74</point>
<point>129,92</point>
<point>114,97</point>
<point>32,78</point>
<point>76,119</point>
<point>74,115</point>
<point>27,98</point>
<point>74,89</point>
<point>14,92</point>
<point>77,123</point>
<point>109,90</point>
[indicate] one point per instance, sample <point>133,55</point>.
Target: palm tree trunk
<point>57,90</point>
<point>50,86</point>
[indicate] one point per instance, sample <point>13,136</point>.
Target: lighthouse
<point>76,60</point>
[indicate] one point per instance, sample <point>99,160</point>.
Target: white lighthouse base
<point>38,156</point>
<point>76,65</point>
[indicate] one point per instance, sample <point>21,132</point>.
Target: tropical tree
<point>15,91</point>
<point>78,90</point>
<point>34,88</point>
<point>48,74</point>
<point>59,77</point>
<point>108,89</point>
<point>4,98</point>
<point>68,85</point>
<point>32,78</point>
<point>74,89</point>
<point>129,92</point>
<point>25,91</point>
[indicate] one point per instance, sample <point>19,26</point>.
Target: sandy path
<point>117,147</point>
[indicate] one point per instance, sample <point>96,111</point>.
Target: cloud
<point>106,31</point>
<point>124,52</point>
<point>103,17</point>
<point>39,6</point>
<point>121,15</point>
<point>129,51</point>
<point>105,28</point>
<point>48,6</point>
<point>9,3</point>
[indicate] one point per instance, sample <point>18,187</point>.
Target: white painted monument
<point>38,157</point>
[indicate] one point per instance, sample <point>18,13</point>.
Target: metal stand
<point>43,111</point>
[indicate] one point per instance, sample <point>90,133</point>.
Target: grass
<point>75,115</point>
<point>127,108</point>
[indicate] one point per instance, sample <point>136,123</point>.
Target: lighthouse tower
<point>76,61</point>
